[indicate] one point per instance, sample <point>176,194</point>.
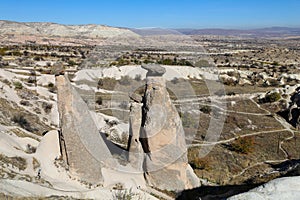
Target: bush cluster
<point>271,97</point>
<point>243,145</point>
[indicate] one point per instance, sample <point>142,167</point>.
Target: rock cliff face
<point>294,110</point>
<point>82,146</point>
<point>162,138</point>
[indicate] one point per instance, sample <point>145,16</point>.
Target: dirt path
<point>286,128</point>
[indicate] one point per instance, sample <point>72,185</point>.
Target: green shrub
<point>205,109</point>
<point>167,61</point>
<point>71,63</point>
<point>18,85</point>
<point>123,195</point>
<point>271,97</point>
<point>51,87</point>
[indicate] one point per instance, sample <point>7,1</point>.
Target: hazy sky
<point>157,13</point>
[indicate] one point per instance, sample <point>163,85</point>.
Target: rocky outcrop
<point>82,146</point>
<point>294,110</point>
<point>282,188</point>
<point>156,145</point>
<point>160,133</point>
<point>136,153</point>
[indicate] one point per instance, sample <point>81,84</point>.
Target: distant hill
<point>155,31</point>
<point>263,32</point>
<point>91,34</point>
<point>53,29</point>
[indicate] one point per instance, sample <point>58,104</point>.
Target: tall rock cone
<point>162,138</point>
<point>82,146</point>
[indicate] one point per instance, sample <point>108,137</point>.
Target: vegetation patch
<point>18,132</point>
<point>16,161</point>
<point>18,85</point>
<point>22,122</point>
<point>35,163</point>
<point>196,162</point>
<point>243,145</point>
<point>51,87</point>
<point>270,97</point>
<point>107,83</point>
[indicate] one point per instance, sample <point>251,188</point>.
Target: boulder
<point>154,69</point>
<point>281,188</point>
<point>294,110</point>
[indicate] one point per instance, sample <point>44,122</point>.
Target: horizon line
<point>157,27</point>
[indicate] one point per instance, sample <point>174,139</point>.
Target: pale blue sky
<point>157,13</point>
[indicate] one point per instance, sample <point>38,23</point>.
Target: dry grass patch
<point>15,161</point>
<point>18,132</point>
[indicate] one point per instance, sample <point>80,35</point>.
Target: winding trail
<point>286,128</point>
